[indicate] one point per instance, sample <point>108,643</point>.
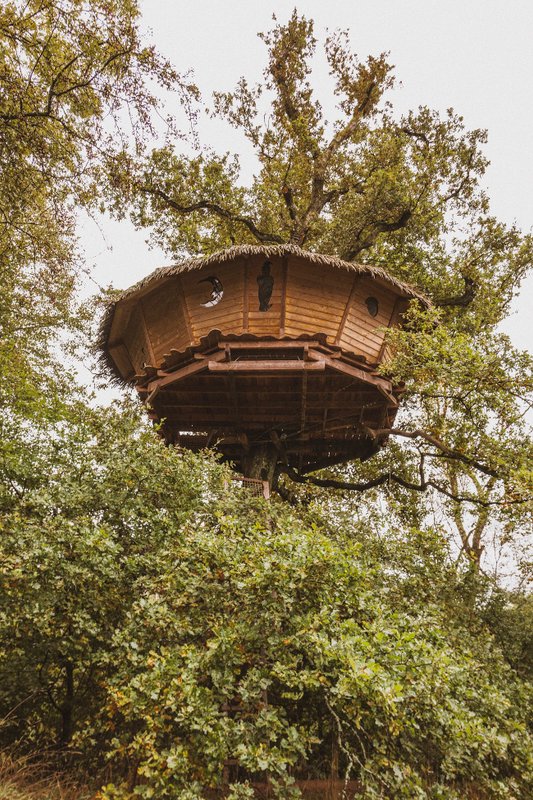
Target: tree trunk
<point>260,463</point>
<point>334,768</point>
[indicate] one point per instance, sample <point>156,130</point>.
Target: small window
<point>372,306</point>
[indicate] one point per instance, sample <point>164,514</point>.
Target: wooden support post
<point>303,408</point>
<point>334,768</point>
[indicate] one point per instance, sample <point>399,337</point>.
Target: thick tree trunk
<point>260,463</point>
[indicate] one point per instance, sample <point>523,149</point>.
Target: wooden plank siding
<point>227,315</point>
<point>264,323</point>
<point>136,341</point>
<point>119,353</point>
<point>316,298</point>
<point>315,398</point>
<point>307,298</point>
<point>164,315</point>
<point>362,333</point>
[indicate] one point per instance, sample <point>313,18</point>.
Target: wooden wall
<point>316,298</point>
<point>363,333</point>
<point>306,299</point>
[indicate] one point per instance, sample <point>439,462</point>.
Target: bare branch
<point>392,477</point>
<point>449,452</point>
<point>216,209</point>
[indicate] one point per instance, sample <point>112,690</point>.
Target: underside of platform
<point>311,404</point>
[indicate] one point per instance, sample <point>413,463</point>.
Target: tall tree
<point>401,191</point>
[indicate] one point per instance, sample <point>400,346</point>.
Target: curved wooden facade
<point>261,344</point>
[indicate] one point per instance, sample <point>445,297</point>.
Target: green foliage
<point>164,623</point>
<point>72,72</point>
<point>85,507</point>
<point>164,626</point>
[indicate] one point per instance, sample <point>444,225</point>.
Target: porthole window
<point>217,291</point>
<point>372,306</point>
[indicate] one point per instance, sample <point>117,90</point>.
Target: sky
<point>473,55</point>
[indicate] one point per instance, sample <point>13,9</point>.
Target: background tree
<point>75,90</point>
<point>189,636</point>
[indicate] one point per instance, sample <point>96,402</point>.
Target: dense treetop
<point>400,191</point>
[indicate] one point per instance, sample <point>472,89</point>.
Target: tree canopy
<point>77,88</point>
<point>400,191</point>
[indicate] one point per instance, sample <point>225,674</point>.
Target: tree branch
<point>462,300</point>
<point>378,227</point>
<point>52,94</point>
<point>418,135</point>
<point>392,477</point>
<point>216,209</point>
<point>321,159</point>
<point>289,202</point>
<point>351,126</point>
<point>449,452</point>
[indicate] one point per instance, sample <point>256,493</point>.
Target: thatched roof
<point>231,254</point>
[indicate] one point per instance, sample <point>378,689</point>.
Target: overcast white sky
<point>473,55</point>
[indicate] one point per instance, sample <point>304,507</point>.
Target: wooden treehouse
<point>268,354</point>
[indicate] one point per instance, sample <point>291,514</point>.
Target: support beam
<point>266,366</point>
<point>383,385</point>
<point>168,378</point>
<point>275,344</point>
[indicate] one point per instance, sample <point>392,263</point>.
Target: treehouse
<point>268,354</point>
